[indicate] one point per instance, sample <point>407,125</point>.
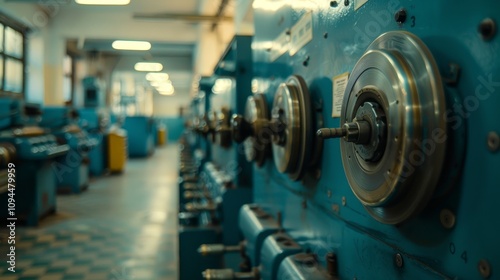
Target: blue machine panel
<point>275,249</point>
<point>321,212</point>
<point>140,135</point>
<point>32,151</point>
<point>72,170</point>
<point>230,91</point>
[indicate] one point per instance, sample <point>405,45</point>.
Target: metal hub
<point>394,105</point>
<point>290,125</point>
<point>223,128</point>
<point>371,145</point>
<point>253,130</point>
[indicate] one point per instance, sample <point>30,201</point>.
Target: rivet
<point>346,2</point>
<point>487,29</point>
<point>333,4</point>
<point>447,218</point>
<point>344,202</point>
<point>335,208</point>
<point>329,193</point>
<point>400,16</point>
<point>398,260</point>
<point>493,141</point>
<point>484,268</point>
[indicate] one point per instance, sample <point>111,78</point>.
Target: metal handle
<point>217,249</point>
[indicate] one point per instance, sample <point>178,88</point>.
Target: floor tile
<point>120,228</point>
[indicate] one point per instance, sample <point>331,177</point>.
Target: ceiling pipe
<point>215,19</point>
<point>220,11</point>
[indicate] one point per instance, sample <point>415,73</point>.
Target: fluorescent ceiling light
<point>157,77</point>
<point>167,87</point>
<point>166,92</point>
<point>148,66</point>
<point>131,45</point>
<point>102,2</point>
<point>161,83</point>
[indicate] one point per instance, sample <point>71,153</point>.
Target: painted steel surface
<point>323,215</point>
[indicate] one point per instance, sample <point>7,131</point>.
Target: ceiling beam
<point>185,17</point>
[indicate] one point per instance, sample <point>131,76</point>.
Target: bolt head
<point>400,16</point>
<point>484,268</point>
<point>398,260</point>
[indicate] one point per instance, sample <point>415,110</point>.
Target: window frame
<point>7,21</point>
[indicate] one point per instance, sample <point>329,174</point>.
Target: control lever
<point>191,195</point>
<point>197,207</point>
<point>228,274</point>
<point>217,249</point>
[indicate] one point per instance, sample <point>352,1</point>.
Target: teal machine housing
<point>424,77</point>
<point>95,120</point>
<point>72,171</point>
<point>96,124</point>
<point>141,136</point>
<point>225,178</point>
<point>32,151</point>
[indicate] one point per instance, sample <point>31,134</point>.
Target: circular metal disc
<point>292,99</point>
<point>399,73</point>
<point>256,114</point>
<point>223,128</point>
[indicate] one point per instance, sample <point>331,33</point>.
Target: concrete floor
<point>123,227</point>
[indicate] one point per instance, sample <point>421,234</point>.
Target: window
<point>68,79</point>
<point>12,60</point>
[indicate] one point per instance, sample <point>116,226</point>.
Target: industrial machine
<point>379,122</point>
<point>221,183</point>
<point>200,130</point>
<point>141,135</point>
<point>72,171</point>
<point>96,123</point>
<point>92,92</point>
<point>27,152</point>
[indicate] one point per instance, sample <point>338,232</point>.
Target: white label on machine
<point>339,85</point>
<point>302,33</point>
<point>280,46</point>
<point>359,3</point>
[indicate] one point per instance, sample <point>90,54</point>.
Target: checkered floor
<point>123,228</point>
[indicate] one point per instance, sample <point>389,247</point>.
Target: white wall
<point>168,106</point>
<point>211,43</point>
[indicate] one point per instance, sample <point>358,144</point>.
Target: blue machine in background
<point>141,135</point>
<point>201,131</point>
<point>411,101</point>
<point>96,123</point>
<point>72,171</point>
<point>92,95</point>
<point>33,151</point>
<point>224,176</point>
